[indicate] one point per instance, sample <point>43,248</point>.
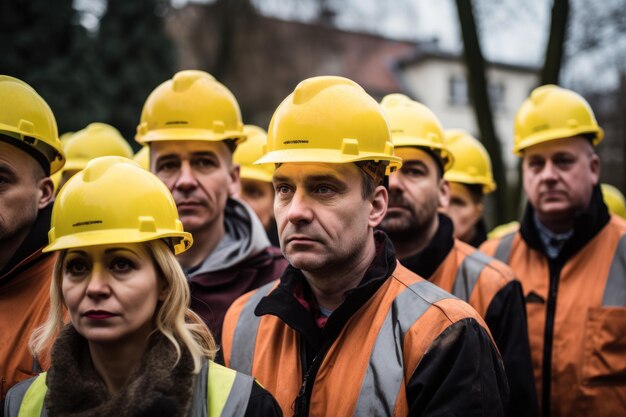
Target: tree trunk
<point>478,88</point>
<point>556,43</point>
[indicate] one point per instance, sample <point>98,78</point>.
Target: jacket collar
<point>480,235</point>
<point>428,260</point>
<point>587,225</point>
<point>244,238</point>
<point>285,305</point>
<point>159,386</point>
<point>36,239</point>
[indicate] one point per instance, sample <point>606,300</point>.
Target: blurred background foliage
<point>101,75</point>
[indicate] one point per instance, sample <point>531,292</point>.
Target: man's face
<point>559,177</point>
<point>260,196</point>
<point>200,176</point>
<point>24,190</point>
<point>464,210</point>
<point>415,193</point>
<point>323,220</point>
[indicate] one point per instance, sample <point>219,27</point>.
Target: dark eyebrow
<point>310,179</point>
<point>415,162</point>
<point>167,156</point>
<point>113,250</point>
<point>338,183</point>
<point>5,169</point>
<point>561,154</point>
<point>323,178</point>
<point>204,153</point>
<point>279,178</point>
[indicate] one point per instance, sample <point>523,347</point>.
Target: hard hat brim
<point>556,134</point>
<point>462,178</point>
<point>255,173</point>
<point>176,134</point>
<point>75,164</point>
<point>330,156</point>
<point>118,236</point>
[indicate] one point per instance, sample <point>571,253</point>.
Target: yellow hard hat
<point>472,164</point>
<point>191,106</point>
<point>142,157</point>
<point>415,125</point>
<point>65,136</point>
<point>551,113</point>
<point>28,122</point>
<point>614,200</point>
<point>88,210</point>
<point>97,139</point>
<point>250,151</point>
<point>329,119</point>
<point>56,180</point>
<point>503,229</point>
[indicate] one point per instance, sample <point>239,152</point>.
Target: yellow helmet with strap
<point>191,106</point>
<point>27,121</point>
<point>250,151</point>
<point>552,113</point>
<point>472,164</point>
<point>329,119</point>
<point>415,125</point>
<point>97,139</point>
<point>88,212</point>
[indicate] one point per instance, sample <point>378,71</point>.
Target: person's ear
<point>444,193</point>
<point>378,200</point>
<point>45,192</point>
<point>594,166</point>
<point>235,181</point>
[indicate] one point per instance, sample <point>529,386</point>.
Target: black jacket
<point>461,359</point>
<point>505,317</point>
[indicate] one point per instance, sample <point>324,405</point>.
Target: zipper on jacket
<point>304,395</point>
<point>546,373</point>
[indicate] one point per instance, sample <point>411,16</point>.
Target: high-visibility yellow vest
<point>228,392</point>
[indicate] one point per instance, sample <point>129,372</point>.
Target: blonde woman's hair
<point>173,319</point>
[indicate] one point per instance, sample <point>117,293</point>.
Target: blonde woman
<point>132,347</point>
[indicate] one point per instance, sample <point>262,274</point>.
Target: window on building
<point>496,94</point>
<point>458,94</point>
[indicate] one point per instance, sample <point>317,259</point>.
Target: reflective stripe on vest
<point>503,251</point>
<point>32,403</point>
<point>615,289</point>
<point>468,273</point>
<point>228,393</point>
<point>244,338</point>
<point>385,371</point>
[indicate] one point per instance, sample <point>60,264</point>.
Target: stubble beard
<point>409,227</point>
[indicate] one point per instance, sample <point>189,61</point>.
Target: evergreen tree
<point>46,47</point>
<point>136,56</point>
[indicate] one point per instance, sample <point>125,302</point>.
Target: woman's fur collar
<point>155,388</point>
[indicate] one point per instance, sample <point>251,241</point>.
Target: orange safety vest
<point>367,366</point>
<point>24,306</point>
<point>472,276</point>
<point>588,373</point>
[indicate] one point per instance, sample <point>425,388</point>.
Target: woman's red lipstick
<point>98,314</point>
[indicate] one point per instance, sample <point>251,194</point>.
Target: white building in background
<point>438,79</point>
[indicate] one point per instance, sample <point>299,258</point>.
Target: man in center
<point>347,330</point>
<point>425,243</point>
<point>192,124</point>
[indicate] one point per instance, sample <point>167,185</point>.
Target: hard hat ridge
<point>88,210</point>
